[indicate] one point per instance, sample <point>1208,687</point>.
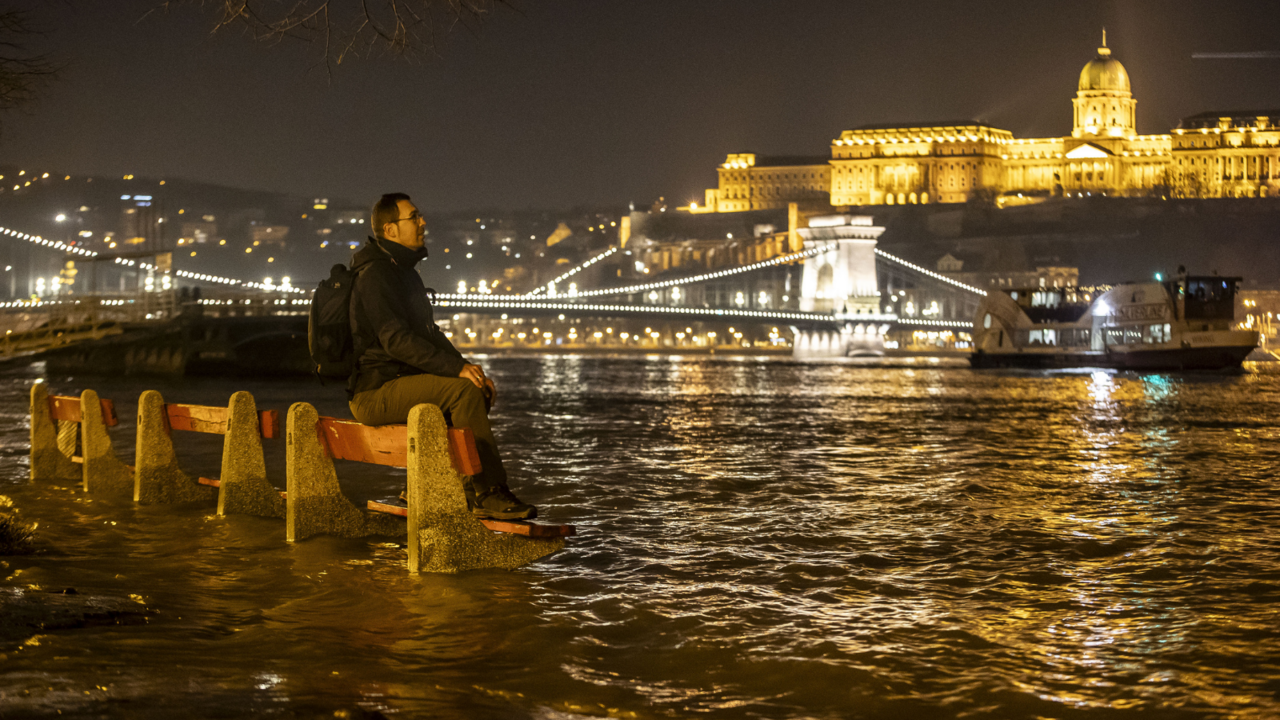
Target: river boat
<point>1182,324</point>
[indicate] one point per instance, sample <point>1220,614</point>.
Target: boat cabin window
<point>1158,333</point>
<point>1051,305</point>
<point>1046,336</point>
<point>1046,299</point>
<point>1210,298</point>
<point>1075,337</point>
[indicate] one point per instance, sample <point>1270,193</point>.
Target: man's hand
<point>476,375</point>
<point>490,393</point>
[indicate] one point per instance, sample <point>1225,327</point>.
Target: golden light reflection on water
<point>770,539</point>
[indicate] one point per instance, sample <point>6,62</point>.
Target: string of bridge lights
<point>574,271</point>
<point>462,301</point>
<point>56,244</point>
<point>466,301</point>
<point>930,273</point>
<point>781,259</point>
<point>206,277</point>
<point>680,281</point>
<point>935,323</point>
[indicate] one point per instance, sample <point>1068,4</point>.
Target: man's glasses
<point>414,216</point>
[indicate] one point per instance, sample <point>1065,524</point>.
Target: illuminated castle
<point>1213,154</point>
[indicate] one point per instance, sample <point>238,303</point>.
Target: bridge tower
<point>841,280</point>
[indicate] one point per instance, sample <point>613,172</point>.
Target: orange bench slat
<point>212,419</point>
<point>388,444</point>
<point>462,451</point>
<point>529,529</point>
<point>269,424</point>
<point>67,408</point>
<point>196,418</point>
<point>215,482</point>
<point>379,445</point>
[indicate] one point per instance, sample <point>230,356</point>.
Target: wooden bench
<point>242,486</point>
<point>79,422</point>
<point>214,420</point>
<point>66,409</point>
<point>443,535</point>
<point>388,445</point>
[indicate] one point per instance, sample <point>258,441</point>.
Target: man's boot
<point>496,502</point>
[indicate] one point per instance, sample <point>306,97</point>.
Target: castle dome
<point>1104,73</point>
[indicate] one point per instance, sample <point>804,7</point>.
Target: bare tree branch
<point>345,29</point>
<point>22,71</point>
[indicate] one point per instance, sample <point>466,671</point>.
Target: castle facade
<point>1212,154</point>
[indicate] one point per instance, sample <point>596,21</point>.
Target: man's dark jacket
<point>392,324</point>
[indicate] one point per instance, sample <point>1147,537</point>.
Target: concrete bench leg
<point>103,471</point>
<point>48,462</point>
<point>316,505</point>
<point>244,489</point>
<point>158,479</point>
<point>443,535</point>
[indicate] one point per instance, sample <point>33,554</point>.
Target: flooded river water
<point>757,538</point>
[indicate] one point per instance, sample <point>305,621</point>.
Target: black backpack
<point>329,326</point>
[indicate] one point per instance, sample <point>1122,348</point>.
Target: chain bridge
<point>837,292</point>
<point>828,291</point>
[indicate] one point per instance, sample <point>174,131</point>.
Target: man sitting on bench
<point>402,358</point>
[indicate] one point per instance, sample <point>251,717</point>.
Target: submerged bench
<point>443,534</point>
<point>53,447</point>
<point>55,434</point>
<point>242,486</point>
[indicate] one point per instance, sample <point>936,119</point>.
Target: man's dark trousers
<point>458,398</point>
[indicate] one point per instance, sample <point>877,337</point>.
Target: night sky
<point>571,102</point>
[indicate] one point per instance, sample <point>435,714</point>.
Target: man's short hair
<point>386,210</point>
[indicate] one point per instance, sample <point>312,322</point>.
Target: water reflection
<point>757,538</point>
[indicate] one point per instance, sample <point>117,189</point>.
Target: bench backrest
<point>211,419</point>
<point>388,444</point>
<point>67,409</point>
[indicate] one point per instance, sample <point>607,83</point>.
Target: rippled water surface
<point>757,538</point>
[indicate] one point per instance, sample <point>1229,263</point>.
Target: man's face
<point>410,229</point>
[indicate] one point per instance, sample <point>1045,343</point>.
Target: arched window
<point>826,278</point>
